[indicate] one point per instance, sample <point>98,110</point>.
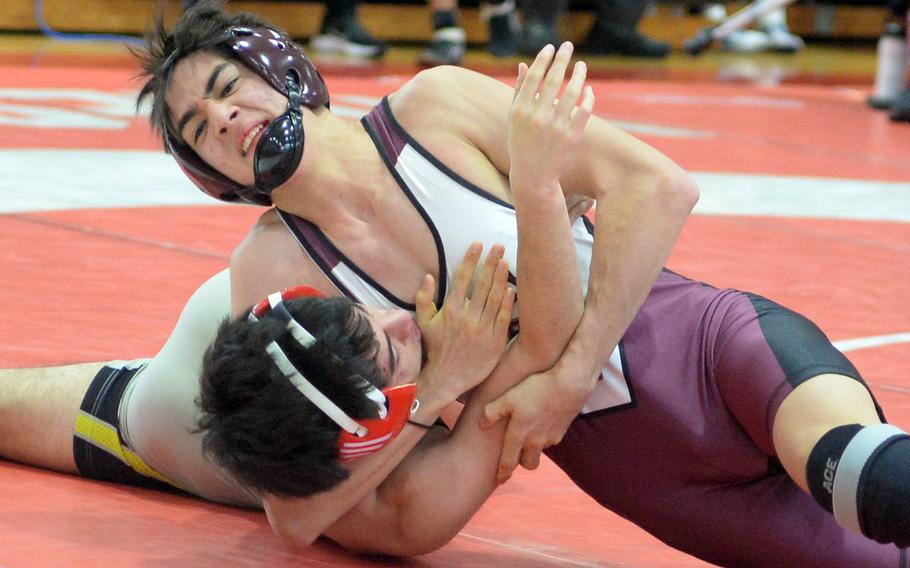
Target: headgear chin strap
<point>357,439</point>
<point>288,70</point>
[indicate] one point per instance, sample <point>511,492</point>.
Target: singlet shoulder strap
<point>344,274</point>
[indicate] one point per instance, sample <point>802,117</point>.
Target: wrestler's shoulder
<point>267,233</point>
<point>446,94</point>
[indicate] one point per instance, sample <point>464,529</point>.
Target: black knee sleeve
<point>862,475</point>
<point>823,462</point>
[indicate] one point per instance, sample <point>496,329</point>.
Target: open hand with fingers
<point>465,338</point>
<point>544,127</point>
<point>539,410</point>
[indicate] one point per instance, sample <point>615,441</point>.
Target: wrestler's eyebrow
<point>392,360</point>
<point>209,87</point>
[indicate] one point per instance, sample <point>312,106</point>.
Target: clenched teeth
<point>249,139</point>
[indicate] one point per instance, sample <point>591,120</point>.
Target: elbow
<point>294,534</point>
<point>409,550</point>
<point>678,192</point>
<point>538,353</point>
<point>424,546</point>
<point>411,531</point>
<point>403,543</point>
<point>419,540</point>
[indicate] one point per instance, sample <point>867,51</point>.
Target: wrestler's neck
<point>341,179</point>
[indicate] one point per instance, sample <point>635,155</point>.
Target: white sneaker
<point>746,41</point>
<point>447,47</point>
<point>714,12</point>
<point>353,41</point>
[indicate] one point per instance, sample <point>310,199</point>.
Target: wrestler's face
<point>220,109</point>
<point>400,349</point>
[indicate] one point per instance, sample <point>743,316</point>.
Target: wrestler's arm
<point>440,485</point>
<point>543,130</point>
<point>644,199</point>
<point>443,482</point>
<point>269,259</point>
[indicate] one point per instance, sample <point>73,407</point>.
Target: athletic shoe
<point>900,108</point>
<point>879,103</point>
<point>602,42</point>
<point>782,41</point>
<point>350,39</point>
<point>502,23</point>
<point>890,66</point>
<point>447,47</point>
<point>504,30</point>
<point>746,41</point>
<point>714,12</point>
<point>535,35</point>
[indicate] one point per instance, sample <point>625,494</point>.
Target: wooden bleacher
<point>408,21</point>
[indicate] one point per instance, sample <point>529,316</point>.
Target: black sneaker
<point>900,108</point>
<point>502,23</point>
<point>537,34</point>
<point>347,39</point>
<point>447,47</point>
<point>601,42</point>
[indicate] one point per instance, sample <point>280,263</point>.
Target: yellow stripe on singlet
<point>104,436</point>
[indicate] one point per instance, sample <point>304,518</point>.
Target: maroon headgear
<point>285,67</point>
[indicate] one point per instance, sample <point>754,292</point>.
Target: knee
<point>862,476</point>
<point>815,407</point>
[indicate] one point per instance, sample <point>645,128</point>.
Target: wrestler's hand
<point>543,129</point>
<point>540,410</point>
<point>467,336</point>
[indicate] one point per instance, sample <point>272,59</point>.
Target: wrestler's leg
<point>804,403</point>
<point>38,408</point>
<point>769,522</point>
<point>813,409</point>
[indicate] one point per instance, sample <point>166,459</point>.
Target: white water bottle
<point>891,66</point>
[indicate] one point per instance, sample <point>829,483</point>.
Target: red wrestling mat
<point>785,130</point>
<point>95,284</point>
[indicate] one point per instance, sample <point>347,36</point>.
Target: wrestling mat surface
<point>806,199</point>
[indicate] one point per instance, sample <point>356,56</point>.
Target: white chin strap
<point>314,395</point>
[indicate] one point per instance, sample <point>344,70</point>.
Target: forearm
<point>643,200</point>
<point>543,132</point>
<point>633,239</point>
<point>549,284</point>
<point>439,486</point>
<point>445,482</point>
<point>300,521</point>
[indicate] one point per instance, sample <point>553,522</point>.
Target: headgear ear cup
<point>286,294</point>
<point>272,56</point>
<point>357,438</point>
<point>380,431</point>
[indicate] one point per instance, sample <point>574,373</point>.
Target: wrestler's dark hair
<point>201,28</point>
<point>257,425</point>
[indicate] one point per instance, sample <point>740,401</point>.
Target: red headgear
<point>357,439</point>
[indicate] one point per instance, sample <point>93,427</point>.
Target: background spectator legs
<point>615,31</point>
<point>341,33</point>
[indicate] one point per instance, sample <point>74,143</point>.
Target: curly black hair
<point>257,425</point>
